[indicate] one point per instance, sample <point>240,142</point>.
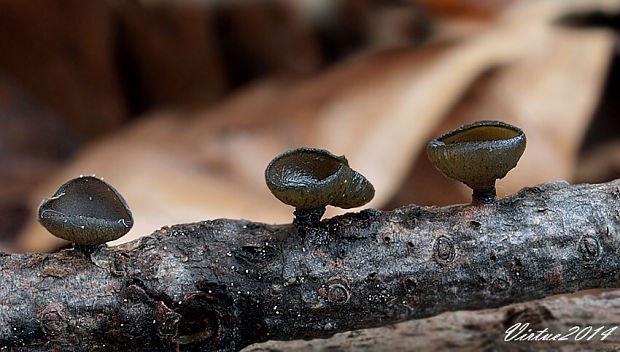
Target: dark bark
<point>225,284</point>
<point>582,323</point>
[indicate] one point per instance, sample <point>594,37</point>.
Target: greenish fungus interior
<point>481,134</point>
<point>302,169</point>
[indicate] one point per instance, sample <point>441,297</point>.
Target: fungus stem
<point>307,218</point>
<point>484,196</point>
<point>86,249</point>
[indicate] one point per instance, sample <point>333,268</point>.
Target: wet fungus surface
<point>86,211</point>
<point>310,179</point>
<point>478,154</point>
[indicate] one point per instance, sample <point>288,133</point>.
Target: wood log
<point>224,284</point>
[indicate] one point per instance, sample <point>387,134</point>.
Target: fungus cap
<point>309,178</point>
<point>479,153</point>
<point>86,210</point>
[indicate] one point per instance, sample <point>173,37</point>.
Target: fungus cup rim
<point>439,141</point>
<point>319,184</point>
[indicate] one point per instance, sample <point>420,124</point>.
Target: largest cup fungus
<point>478,154</point>
<point>86,211</point>
<point>309,179</point>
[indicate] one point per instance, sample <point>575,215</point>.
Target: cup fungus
<point>478,154</point>
<point>87,211</point>
<point>309,179</point>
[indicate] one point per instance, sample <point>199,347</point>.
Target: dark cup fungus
<point>86,211</point>
<point>309,179</point>
<point>478,154</point>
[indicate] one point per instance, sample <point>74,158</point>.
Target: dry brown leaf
<point>551,93</point>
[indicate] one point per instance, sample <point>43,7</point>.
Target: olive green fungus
<point>310,179</point>
<point>478,154</point>
<point>86,211</point>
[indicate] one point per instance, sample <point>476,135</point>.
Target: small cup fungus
<point>478,154</point>
<point>309,179</point>
<point>87,211</point>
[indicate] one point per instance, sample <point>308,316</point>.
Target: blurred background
<point>180,105</point>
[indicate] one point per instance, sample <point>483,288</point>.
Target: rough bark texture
<point>472,331</point>
<point>223,284</point>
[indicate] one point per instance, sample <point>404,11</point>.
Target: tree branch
<point>225,284</point>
